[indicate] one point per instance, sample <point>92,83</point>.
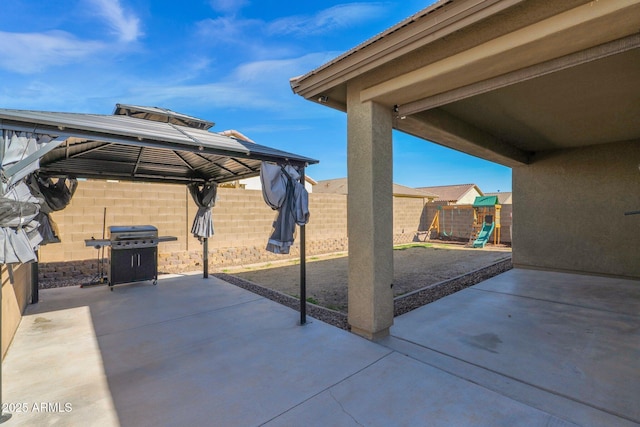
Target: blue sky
<point>226,61</point>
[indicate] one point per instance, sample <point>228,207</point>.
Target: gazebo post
<point>303,267</point>
<point>35,296</point>
<point>205,257</point>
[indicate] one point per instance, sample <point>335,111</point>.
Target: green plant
<point>412,245</point>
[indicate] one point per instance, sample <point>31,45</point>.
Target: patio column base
<point>370,335</point>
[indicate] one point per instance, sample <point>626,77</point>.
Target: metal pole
<point>303,268</point>
<point>34,280</point>
<point>205,257</point>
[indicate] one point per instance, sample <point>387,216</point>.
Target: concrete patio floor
<point>526,348</point>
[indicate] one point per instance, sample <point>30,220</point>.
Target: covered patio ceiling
<point>142,144</point>
<point>492,77</point>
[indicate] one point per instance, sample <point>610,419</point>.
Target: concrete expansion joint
<point>328,389</point>
<point>539,391</point>
<point>344,410</point>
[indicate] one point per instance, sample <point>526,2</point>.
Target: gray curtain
<point>283,191</point>
<point>55,196</point>
<point>18,207</point>
<point>18,228</point>
<point>204,195</point>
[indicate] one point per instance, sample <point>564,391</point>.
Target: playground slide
<point>484,235</point>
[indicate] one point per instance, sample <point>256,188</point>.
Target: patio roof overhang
<point>126,147</point>
<point>492,77</point>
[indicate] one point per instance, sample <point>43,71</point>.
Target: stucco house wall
<point>570,210</point>
<point>469,197</point>
<point>254,183</point>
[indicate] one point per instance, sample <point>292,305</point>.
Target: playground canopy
<point>485,201</point>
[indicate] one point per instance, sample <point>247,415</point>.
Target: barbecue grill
<point>133,253</point>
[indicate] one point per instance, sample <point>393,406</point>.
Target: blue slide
<point>484,235</point>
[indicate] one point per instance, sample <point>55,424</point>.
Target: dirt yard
<point>415,267</point>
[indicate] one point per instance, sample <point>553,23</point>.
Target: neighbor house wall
<point>469,198</point>
<point>255,183</point>
<point>570,210</point>
<point>15,297</point>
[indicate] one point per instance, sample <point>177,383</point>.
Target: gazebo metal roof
<point>159,114</point>
<point>142,148</point>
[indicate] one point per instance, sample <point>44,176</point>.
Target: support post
<point>369,216</point>
<point>35,297</point>
<point>205,257</point>
<point>303,268</point>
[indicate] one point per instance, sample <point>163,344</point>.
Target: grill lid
<point>118,232</point>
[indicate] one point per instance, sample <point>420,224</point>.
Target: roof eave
<point>430,24</point>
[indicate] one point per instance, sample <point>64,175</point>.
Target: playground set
<point>486,221</point>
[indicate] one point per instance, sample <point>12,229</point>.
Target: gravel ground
<point>414,268</point>
<point>402,304</point>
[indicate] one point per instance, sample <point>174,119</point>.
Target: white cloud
<point>236,39</point>
<point>32,53</point>
<point>226,95</point>
<point>224,29</point>
<point>125,25</point>
<point>27,53</point>
<point>327,20</point>
<point>254,85</point>
<point>282,70</point>
<point>228,6</point>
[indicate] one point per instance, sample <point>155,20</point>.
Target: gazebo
<point>135,143</point>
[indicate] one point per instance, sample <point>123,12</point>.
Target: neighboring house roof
<point>334,186</point>
<point>402,191</point>
<point>504,198</point>
<point>340,186</point>
<point>452,193</point>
